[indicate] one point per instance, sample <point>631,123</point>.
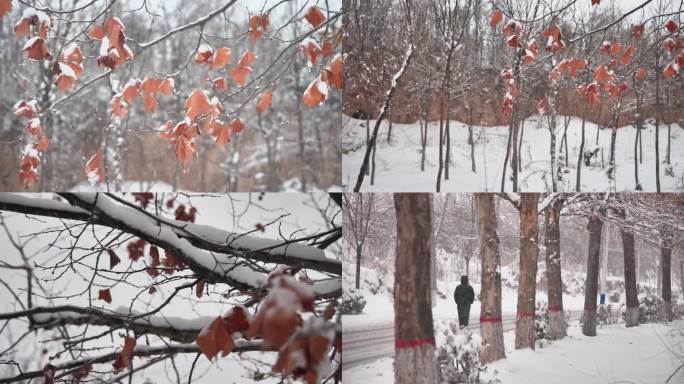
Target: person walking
<point>464,297</point>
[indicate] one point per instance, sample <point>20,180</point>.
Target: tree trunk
<point>389,130</point>
<point>441,143</point>
<point>594,226</point>
<point>491,327</point>
<point>631,293</point>
<point>508,154</point>
<point>527,278</point>
<point>554,281</point>
<point>358,266</point>
<point>581,155</point>
<point>657,125</point>
<point>448,143</point>
<point>666,271</point>
<point>414,336</point>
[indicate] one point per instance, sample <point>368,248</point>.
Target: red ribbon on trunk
<point>525,314</point>
<point>555,309</point>
<point>590,307</point>
<point>399,344</point>
<point>490,319</point>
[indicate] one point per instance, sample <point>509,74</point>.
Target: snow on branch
<point>209,252</point>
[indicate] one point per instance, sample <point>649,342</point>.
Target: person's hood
<point>464,280</point>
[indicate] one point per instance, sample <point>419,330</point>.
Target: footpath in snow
<point>616,355</point>
<point>398,163</point>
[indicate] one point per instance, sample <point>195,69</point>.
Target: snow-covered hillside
<point>398,163</point>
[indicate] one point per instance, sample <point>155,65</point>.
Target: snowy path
<point>398,163</point>
<point>644,355</point>
<point>361,345</point>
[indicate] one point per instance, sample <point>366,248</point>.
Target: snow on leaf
<point>204,54</point>
<point>314,16</point>
<point>602,74</point>
<point>313,95</point>
<point>93,169</point>
<point>311,50</point>
<point>37,49</point>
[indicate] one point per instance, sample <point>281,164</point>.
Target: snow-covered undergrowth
<point>648,353</point>
<point>398,163</point>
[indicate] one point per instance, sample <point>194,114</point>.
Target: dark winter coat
<point>464,294</point>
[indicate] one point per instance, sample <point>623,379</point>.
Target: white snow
<point>398,163</point>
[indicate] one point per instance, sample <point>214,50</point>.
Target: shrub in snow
<point>458,355</point>
<point>541,322</point>
<point>651,309</point>
<point>614,296</point>
<point>352,302</point>
<point>609,314</point>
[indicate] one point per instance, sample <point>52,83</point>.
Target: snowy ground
<point>616,355</point>
<point>398,163</point>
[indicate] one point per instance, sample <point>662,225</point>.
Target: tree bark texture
<point>491,327</point>
<point>414,335</point>
<point>554,281</point>
<point>527,277</point>
<point>631,293</point>
<point>591,285</point>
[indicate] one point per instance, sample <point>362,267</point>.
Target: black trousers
<point>463,314</point>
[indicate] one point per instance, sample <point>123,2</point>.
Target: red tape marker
<point>525,314</point>
<point>490,319</point>
<point>400,344</point>
<point>555,309</point>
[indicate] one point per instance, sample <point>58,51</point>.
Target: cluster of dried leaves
<point>203,111</point>
<point>604,78</point>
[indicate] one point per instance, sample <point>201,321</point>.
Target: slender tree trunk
<point>527,278</point>
<point>448,142</point>
<point>471,141</point>
<point>554,280</point>
<point>389,130</point>
<point>581,154</point>
<point>681,273</point>
<point>657,125</point>
<point>372,178</point>
<point>491,327</point>
<point>367,141</point>
<point>508,154</point>
<point>631,293</point>
<point>516,154</point>
<point>423,142</point>
<point>666,271</point>
<point>520,141</point>
<point>441,143</point>
<point>594,226</point>
<point>358,265</point>
<point>414,336</point>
